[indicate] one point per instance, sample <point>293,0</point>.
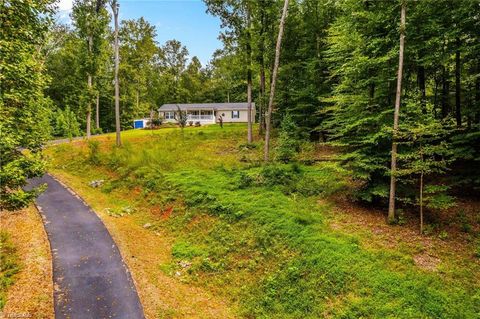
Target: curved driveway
<point>89,275</point>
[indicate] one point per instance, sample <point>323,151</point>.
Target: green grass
<point>8,266</point>
<point>259,235</point>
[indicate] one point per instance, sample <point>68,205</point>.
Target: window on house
<point>169,115</point>
<point>235,114</point>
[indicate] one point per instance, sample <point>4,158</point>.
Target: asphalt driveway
<point>90,278</point>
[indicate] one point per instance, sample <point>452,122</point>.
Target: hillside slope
<point>196,210</point>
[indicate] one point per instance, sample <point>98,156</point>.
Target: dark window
<point>235,114</point>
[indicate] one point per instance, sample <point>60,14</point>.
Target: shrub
<point>66,124</point>
<point>288,140</point>
<point>94,152</point>
<point>96,131</point>
<point>8,265</point>
<point>184,250</point>
<point>277,175</point>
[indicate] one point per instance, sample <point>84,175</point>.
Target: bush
<point>94,152</point>
<point>288,141</point>
<point>8,265</point>
<point>184,250</point>
<point>96,131</point>
<point>277,175</point>
<point>66,124</point>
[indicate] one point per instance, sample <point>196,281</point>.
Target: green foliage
<point>94,151</point>
<point>24,111</point>
<point>288,142</point>
<point>260,233</point>
<point>185,250</point>
<point>8,266</point>
<point>66,124</point>
<point>181,117</point>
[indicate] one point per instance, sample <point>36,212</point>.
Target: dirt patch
<point>32,292</point>
<point>427,251</point>
<point>426,261</point>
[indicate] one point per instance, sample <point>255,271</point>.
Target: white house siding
<point>218,109</point>
<point>194,119</point>
<point>228,116</point>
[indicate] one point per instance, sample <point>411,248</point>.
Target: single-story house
<point>208,113</point>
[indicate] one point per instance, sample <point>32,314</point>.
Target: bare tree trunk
<point>261,111</point>
<point>97,112</point>
<point>458,113</point>
<point>89,84</point>
<point>393,170</point>
<point>421,86</point>
<point>477,95</point>
<point>268,118</point>
<point>421,202</point>
<point>435,97</point>
<point>249,80</point>
<point>151,119</point>
<point>445,93</point>
<point>115,8</point>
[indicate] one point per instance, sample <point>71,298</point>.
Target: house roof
<point>206,106</point>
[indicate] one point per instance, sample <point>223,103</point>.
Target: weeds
<point>8,266</point>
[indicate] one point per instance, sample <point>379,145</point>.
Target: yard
<point>208,231</point>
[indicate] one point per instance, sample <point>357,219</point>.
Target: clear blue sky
<point>184,20</point>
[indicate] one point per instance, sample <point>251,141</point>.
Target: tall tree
<point>174,61</point>
<point>23,107</point>
<point>274,78</point>
<point>396,115</point>
<point>236,17</point>
<point>115,9</point>
<point>90,19</point>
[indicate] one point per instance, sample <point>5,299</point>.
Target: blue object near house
<point>138,123</point>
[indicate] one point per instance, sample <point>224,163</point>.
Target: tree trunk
<point>458,113</point>
<point>421,202</point>
<point>274,78</point>
<point>151,119</point>
<point>97,112</point>
<point>89,84</point>
<point>115,9</point>
<point>393,170</point>
<point>421,87</point>
<point>477,95</point>
<point>137,99</point>
<point>435,97</point>
<point>261,118</point>
<point>445,90</point>
<point>249,80</point>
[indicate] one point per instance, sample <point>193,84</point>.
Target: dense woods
<point>337,81</point>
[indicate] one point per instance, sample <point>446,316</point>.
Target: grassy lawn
<point>197,213</point>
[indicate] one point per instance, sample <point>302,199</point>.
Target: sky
<point>184,20</point>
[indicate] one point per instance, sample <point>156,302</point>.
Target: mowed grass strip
<point>259,235</point>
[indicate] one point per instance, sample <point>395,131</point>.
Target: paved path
<point>90,278</point>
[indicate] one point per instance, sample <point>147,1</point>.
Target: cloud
<point>65,5</point>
